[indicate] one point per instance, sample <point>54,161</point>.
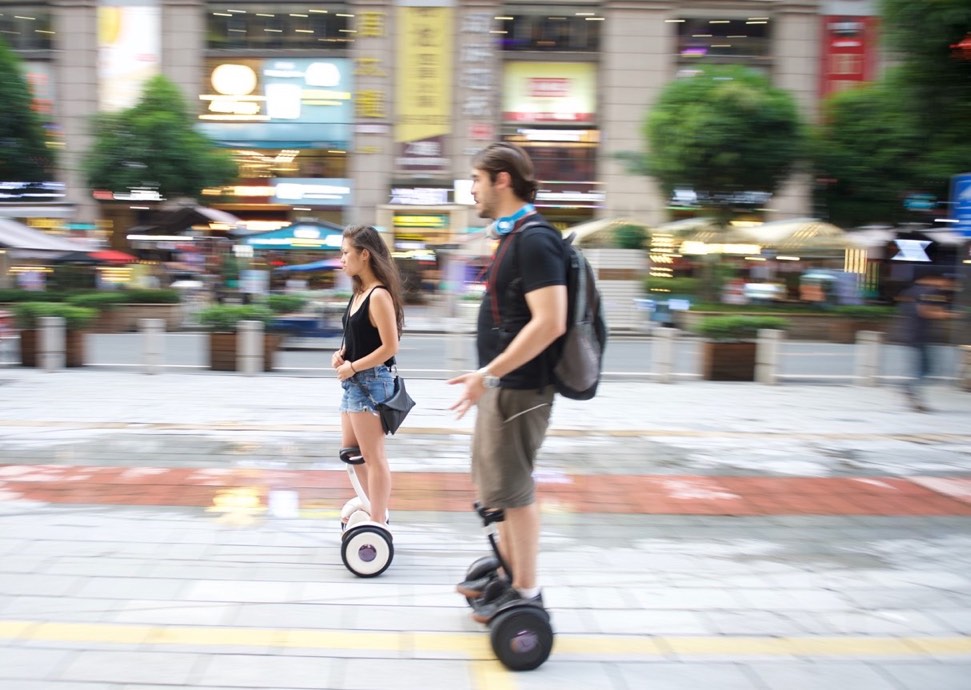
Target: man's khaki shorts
<point>510,426</point>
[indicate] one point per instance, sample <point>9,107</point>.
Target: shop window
<point>303,163</point>
<point>737,40</point>
<point>560,155</point>
<point>268,26</point>
<point>26,27</point>
<point>560,29</point>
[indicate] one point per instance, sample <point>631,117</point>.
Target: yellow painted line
<point>476,646</point>
<point>944,645</point>
<point>492,675</point>
<point>625,645</point>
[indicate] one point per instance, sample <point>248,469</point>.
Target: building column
<point>796,44</point>
<point>370,158</point>
<point>76,77</point>
<point>184,47</point>
<point>636,62</point>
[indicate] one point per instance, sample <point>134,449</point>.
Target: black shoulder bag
<point>393,410</point>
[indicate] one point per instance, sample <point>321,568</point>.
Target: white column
<point>664,353</point>
<point>249,347</point>
<point>767,355</point>
<point>52,342</point>
<point>153,344</point>
<point>867,357</point>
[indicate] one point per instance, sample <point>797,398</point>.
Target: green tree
<point>24,154</point>
<point>865,150</point>
<point>723,131</point>
<point>154,145</point>
<point>906,133</point>
<point>935,81</point>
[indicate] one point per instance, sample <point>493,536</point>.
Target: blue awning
<point>300,235</point>
<point>324,265</point>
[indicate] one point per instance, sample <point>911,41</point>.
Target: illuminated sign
<point>436,222</point>
<point>312,191</point>
<point>129,50</point>
<point>295,102</point>
<point>420,196</point>
<point>546,92</point>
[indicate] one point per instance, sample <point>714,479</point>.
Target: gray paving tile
<point>165,668</point>
<point>752,622</point>
<point>957,619</point>
<point>166,612</point>
<point>30,664</point>
<point>239,591</point>
<point>393,674</point>
<point>129,588</point>
<point>926,676</point>
<point>688,676</point>
<point>870,622</point>
<point>816,676</point>
<point>651,622</point>
<point>269,671</point>
<point>557,674</point>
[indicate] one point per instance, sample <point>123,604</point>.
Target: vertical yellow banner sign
<point>423,93</point>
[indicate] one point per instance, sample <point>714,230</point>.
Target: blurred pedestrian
<point>522,314</point>
<point>922,304</point>
<point>372,328</point>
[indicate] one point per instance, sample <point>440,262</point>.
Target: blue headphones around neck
<point>505,224</point>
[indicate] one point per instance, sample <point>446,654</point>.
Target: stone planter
<point>222,351</point>
<point>728,361</point>
<point>124,318</point>
<point>30,348</point>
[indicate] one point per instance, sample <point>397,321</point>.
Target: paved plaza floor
<point>182,531</point>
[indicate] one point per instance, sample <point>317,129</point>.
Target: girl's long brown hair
<point>383,266</point>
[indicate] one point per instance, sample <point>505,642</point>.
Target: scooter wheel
<point>522,638</point>
<point>367,550</point>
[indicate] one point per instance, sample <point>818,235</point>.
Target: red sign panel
<point>848,54</point>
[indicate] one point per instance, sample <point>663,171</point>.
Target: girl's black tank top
<point>361,337</point>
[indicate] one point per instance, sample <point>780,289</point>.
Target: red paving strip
<point>452,491</point>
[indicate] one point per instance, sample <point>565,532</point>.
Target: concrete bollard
<point>52,342</point>
<point>249,347</point>
<point>456,343</point>
<point>767,348</point>
<point>153,344</point>
<point>664,353</point>
<point>867,357</point>
<point>964,367</point>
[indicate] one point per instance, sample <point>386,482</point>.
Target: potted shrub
<point>222,321</point>
<point>728,352</point>
<point>27,316</point>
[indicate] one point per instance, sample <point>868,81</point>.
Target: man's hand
<point>472,390</point>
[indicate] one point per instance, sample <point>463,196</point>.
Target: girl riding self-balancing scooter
<point>366,546</point>
<point>520,631</point>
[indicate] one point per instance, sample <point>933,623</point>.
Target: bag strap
<point>527,223</point>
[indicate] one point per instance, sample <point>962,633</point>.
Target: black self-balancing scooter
<point>366,546</point>
<point>520,631</point>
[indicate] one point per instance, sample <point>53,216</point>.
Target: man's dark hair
<point>512,159</point>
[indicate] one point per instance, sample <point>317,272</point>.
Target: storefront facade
<point>370,111</point>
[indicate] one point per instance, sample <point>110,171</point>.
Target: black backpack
<point>576,358</point>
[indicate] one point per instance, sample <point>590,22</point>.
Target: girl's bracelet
<point>352,366</point>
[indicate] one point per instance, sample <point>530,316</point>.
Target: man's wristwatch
<point>488,380</point>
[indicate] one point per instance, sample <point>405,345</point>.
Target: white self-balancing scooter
<point>366,546</point>
<point>520,632</point>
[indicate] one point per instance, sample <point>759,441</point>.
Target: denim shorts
<point>379,383</point>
